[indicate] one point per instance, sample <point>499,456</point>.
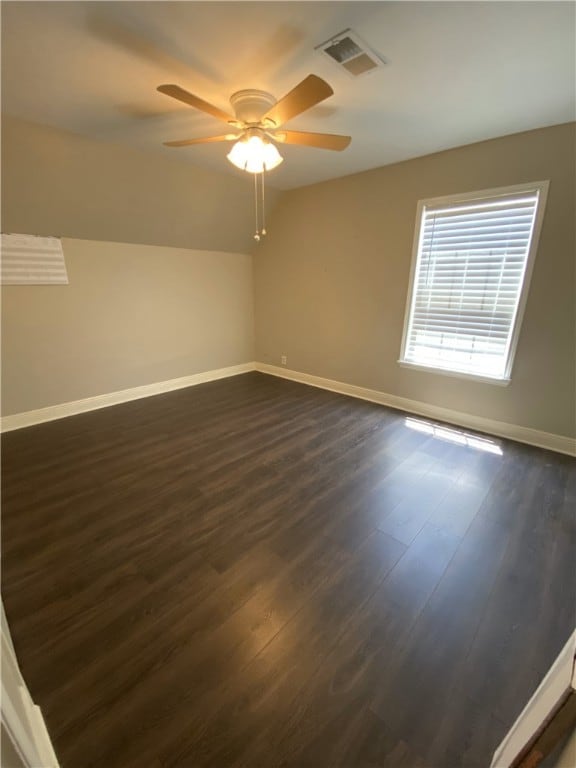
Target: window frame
<point>536,186</point>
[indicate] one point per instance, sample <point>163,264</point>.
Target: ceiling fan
<point>256,120</point>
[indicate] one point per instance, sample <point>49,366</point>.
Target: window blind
<point>471,263</point>
<point>31,260</point>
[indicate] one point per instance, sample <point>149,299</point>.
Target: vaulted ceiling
<point>456,73</point>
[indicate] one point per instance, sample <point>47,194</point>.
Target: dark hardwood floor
<point>257,573</point>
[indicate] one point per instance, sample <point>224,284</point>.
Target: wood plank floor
<point>257,573</point>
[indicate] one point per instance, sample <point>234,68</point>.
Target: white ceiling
<point>457,73</point>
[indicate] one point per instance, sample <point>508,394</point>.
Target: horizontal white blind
<point>471,263</point>
<point>31,260</point>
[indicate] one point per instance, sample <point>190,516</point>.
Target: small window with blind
<point>473,256</point>
<point>31,260</point>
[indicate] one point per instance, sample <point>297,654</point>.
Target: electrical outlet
<point>283,359</point>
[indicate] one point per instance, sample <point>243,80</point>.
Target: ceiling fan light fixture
<point>254,155</point>
<point>256,113</point>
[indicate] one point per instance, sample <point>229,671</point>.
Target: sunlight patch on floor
<point>454,436</point>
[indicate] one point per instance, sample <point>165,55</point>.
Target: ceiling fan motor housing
<point>251,105</point>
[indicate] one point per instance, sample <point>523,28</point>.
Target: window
<point>470,275</point>
<point>32,260</point>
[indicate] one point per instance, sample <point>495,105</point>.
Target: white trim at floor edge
<point>551,442</point>
<point>73,408</point>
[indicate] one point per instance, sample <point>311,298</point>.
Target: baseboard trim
<point>557,443</point>
<point>551,442</point>
<point>63,410</point>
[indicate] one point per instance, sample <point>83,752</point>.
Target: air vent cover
<point>352,53</point>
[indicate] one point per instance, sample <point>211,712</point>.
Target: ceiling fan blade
<point>194,101</point>
<point>319,140</point>
<point>311,91</point>
<point>205,140</point>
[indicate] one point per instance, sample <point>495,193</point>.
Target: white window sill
<point>455,374</point>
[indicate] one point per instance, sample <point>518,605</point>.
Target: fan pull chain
<point>257,233</point>
<point>263,231</point>
<point>259,198</point>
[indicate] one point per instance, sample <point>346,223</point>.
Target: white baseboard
<point>53,412</point>
<point>557,443</point>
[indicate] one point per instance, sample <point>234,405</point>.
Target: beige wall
<point>131,315</point>
<point>159,286</point>
<point>332,277</point>
<point>58,183</point>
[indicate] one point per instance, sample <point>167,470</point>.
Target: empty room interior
<point>288,384</point>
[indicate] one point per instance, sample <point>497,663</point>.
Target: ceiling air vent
<point>352,53</point>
